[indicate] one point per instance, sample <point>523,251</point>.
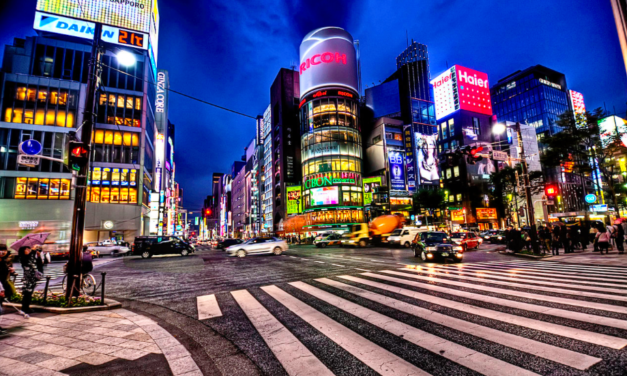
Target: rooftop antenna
<point>293,64</point>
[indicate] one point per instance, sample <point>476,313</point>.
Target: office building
<point>238,203</point>
<point>619,8</point>
<point>267,177</point>
<point>251,184</point>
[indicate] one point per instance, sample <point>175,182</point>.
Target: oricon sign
<point>326,57</point>
<point>460,88</point>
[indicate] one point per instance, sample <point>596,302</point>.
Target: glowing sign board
<point>486,213</point>
<point>324,196</point>
<point>129,14</point>
<point>294,202</point>
<point>369,186</point>
<point>460,88</point>
<point>610,127</point>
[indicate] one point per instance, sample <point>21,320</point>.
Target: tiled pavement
<point>47,344</point>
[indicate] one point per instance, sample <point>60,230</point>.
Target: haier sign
<point>84,29</point>
<point>460,88</point>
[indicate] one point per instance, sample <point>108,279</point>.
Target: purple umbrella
<point>31,240</point>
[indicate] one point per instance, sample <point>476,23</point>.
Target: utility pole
<point>530,212</point>
<point>80,188</point>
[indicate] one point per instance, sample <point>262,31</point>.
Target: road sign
<point>499,155</point>
<point>598,208</point>
<point>27,160</point>
<point>30,147</point>
<point>590,198</point>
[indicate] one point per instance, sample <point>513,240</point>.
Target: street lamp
<point>126,58</point>
<point>499,128</point>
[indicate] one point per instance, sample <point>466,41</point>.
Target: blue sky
<point>229,52</point>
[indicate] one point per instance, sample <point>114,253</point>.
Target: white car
<point>257,246</point>
<point>405,236</point>
<point>110,249</point>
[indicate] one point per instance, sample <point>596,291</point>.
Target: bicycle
<point>88,284</point>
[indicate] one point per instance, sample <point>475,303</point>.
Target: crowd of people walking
<point>569,237</point>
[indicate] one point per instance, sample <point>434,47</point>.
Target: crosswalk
<point>492,318</point>
<point>55,271</point>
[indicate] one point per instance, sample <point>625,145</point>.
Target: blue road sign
<point>30,147</point>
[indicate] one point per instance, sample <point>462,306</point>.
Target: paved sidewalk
<point>88,343</point>
<point>588,257</point>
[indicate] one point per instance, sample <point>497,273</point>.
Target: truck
<point>376,232</point>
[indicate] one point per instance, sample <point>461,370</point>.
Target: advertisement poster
<point>486,213</point>
<point>410,158</point>
<point>426,155</point>
<point>369,186</point>
<point>457,215</point>
<point>294,203</point>
<point>397,170</point>
<point>324,196</point>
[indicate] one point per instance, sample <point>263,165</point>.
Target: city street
<point>379,310</point>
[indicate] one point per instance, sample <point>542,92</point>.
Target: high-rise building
<point>251,188</point>
<point>331,145</point>
<point>619,7</point>
<point>267,178</point>
<point>284,98</point>
<point>536,96</point>
<point>238,203</point>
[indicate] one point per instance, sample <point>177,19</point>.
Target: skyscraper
<point>619,7</point>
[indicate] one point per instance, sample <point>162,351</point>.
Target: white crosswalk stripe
<point>489,330</point>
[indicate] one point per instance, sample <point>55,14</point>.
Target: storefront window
<point>42,189</point>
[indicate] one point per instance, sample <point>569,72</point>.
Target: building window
<point>398,137</point>
<point>120,109</point>
<point>451,198</point>
<point>42,189</point>
<point>112,195</point>
<point>459,197</point>
<point>376,139</point>
<point>444,131</point>
<point>116,147</point>
<point>39,105</point>
<point>476,126</point>
<point>448,173</point>
<point>451,127</point>
<point>456,171</point>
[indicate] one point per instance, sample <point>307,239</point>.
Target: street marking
<point>547,298</point>
<point>208,307</point>
<point>560,330</point>
<point>543,350</point>
<point>538,271</point>
<point>363,270</point>
<point>464,356</point>
<point>293,257</point>
<point>320,262</point>
<point>525,286</point>
<point>375,357</point>
<point>515,278</point>
<point>512,273</point>
<point>575,268</point>
<point>289,351</point>
<point>338,265</point>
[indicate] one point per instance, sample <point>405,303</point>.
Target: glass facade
<point>116,147</point>
<point>120,109</point>
<point>53,143</point>
<point>39,105</point>
<point>331,154</point>
<point>42,189</point>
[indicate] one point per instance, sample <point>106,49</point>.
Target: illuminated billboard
<point>324,196</point>
<point>131,14</point>
<point>460,88</point>
<point>579,108</point>
<point>397,170</point>
<point>294,203</point>
<point>369,186</point>
<point>327,58</point>
<point>611,127</point>
<point>427,158</point>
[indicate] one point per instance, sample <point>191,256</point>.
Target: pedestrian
<point>565,238</point>
<point>585,235</point>
<point>556,241</point>
<point>6,271</point>
<point>575,237</point>
<point>87,265</point>
<point>620,239</point>
<point>593,234</point>
<point>2,297</point>
<point>603,240</point>
<point>31,276</point>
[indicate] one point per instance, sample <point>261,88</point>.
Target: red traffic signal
<point>208,212</point>
<point>475,150</point>
<point>550,190</point>
<point>78,154</point>
<point>472,155</point>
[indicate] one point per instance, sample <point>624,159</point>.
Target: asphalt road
<point>382,311</point>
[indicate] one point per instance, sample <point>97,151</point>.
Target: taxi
<point>468,240</point>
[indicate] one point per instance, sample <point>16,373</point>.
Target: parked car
<point>257,246</point>
<point>435,245</point>
<point>333,239</point>
<point>108,248</point>
<point>497,237</point>
<point>403,237</point>
<point>466,239</point>
<point>147,246</point>
<point>226,243</point>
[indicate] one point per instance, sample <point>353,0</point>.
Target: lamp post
<point>499,129</point>
<point>80,187</point>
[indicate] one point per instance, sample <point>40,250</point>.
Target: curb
<point>111,304</point>
<point>524,255</point>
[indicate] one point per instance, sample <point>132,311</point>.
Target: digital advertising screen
<point>444,94</point>
<point>134,15</point>
<point>294,203</point>
<point>611,126</point>
<point>324,196</point>
<point>427,158</point>
<point>369,186</point>
<point>461,88</point>
<point>397,170</point>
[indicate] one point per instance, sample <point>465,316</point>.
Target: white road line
<point>543,350</point>
<point>320,262</point>
<point>375,357</point>
<point>525,286</point>
<point>464,356</point>
<point>363,270</point>
<point>293,257</point>
<point>574,267</point>
<point>290,352</point>
<point>520,275</point>
<point>492,276</point>
<point>552,299</point>
<point>539,271</point>
<point>208,307</point>
<point>338,265</point>
<point>564,331</point>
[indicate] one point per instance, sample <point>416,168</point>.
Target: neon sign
<point>332,178</point>
<point>326,57</point>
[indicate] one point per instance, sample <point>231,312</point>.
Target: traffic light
<point>473,156</point>
<point>550,190</point>
<point>207,212</point>
<point>78,154</point>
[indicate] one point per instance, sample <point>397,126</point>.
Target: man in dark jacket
<point>6,271</point>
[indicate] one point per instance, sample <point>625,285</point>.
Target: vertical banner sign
<point>159,151</point>
<point>294,200</point>
<point>410,157</point>
<point>397,170</point>
<point>369,186</point>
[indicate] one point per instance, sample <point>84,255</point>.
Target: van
<point>405,236</point>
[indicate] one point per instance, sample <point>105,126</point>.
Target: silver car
<point>257,246</point>
<point>109,248</point>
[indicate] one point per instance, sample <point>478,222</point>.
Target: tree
<point>428,199</point>
<point>504,187</point>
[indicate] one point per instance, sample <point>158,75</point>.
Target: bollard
<point>46,289</point>
<point>102,291</point>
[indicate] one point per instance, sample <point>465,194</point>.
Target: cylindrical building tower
<point>331,144</point>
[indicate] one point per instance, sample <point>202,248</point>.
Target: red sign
<point>326,57</point>
<point>486,213</point>
<point>474,90</point>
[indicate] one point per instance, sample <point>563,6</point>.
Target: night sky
<point>229,52</point>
